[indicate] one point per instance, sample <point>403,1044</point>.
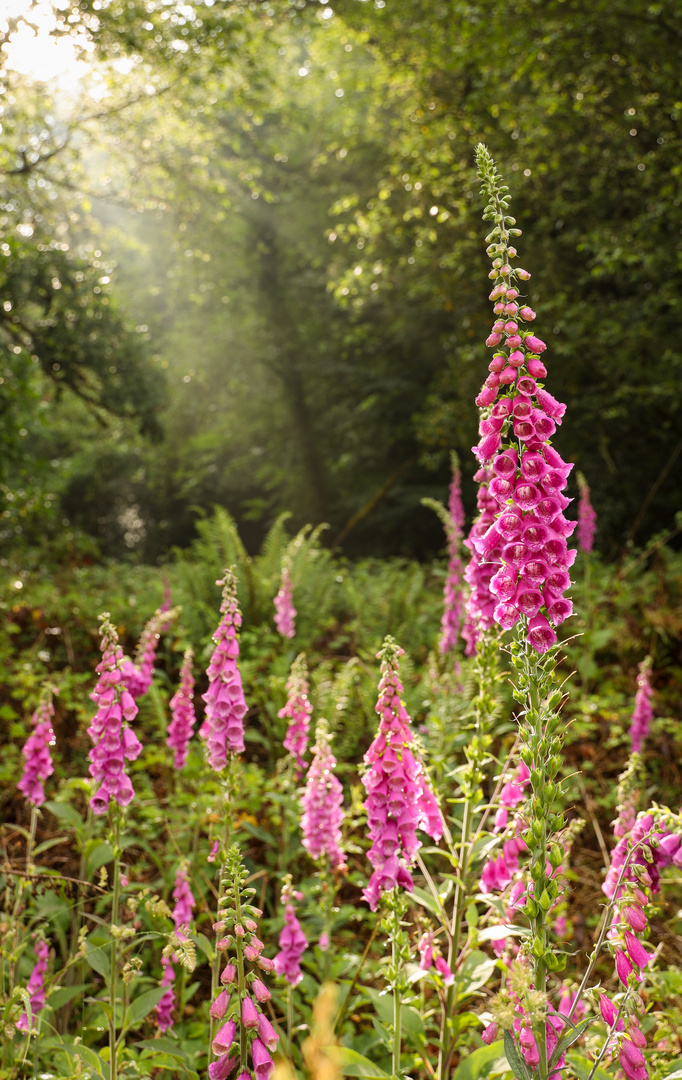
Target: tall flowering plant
<point>36,750</point>
<point>285,612</point>
<point>297,711</point>
<point>223,727</point>
<point>322,803</point>
<point>114,741</point>
<point>183,717</point>
<point>451,622</point>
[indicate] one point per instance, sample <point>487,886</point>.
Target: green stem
<point>290,1018</point>
<point>539,920</point>
<point>113,974</point>
<point>397,1017</point>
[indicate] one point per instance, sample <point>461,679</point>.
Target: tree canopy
<point>252,232</point>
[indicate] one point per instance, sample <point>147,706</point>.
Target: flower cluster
<point>223,727</point>
<point>182,712</point>
<point>36,984</point>
<point>642,714</point>
<point>322,803</point>
<point>639,856</point>
<point>527,476</point>
<point>452,594</point>
<point>285,612</point>
<point>587,517</point>
<point>430,956</point>
<point>182,914</point>
<point>297,711</point>
<point>36,750</point>
<point>113,739</point>
<point>245,1031</point>
<point>292,941</point>
<point>138,674</point>
<point>399,799</point>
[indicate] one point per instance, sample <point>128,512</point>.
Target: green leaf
<point>143,1005</point>
<point>47,844</point>
<point>569,1038</point>
<point>516,1062</point>
<point>163,1045</point>
<point>98,959</point>
<point>353,1064</point>
<point>582,1067</point>
<point>96,1064</point>
<point>97,856</point>
<point>63,995</point>
<point>67,814</point>
<point>480,1062</point>
<point>476,970</point>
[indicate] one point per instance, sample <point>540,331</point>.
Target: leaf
<point>569,1038</point>
<point>163,1045</point>
<point>98,959</point>
<point>427,900</point>
<point>516,1062</point>
<point>480,1062</point>
<point>353,1064</point>
<point>96,857</point>
<point>582,1067</point>
<point>47,844</point>
<point>67,814</point>
<point>143,1005</point>
<point>63,995</point>
<point>97,1065</point>
<point>476,970</point>
<point>500,930</point>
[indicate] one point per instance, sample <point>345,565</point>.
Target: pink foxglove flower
<point>138,673</point>
<point>643,713</point>
<point>182,915</point>
<point>182,712</point>
<point>114,741</point>
<point>587,517</point>
<point>226,708</point>
<point>292,945</point>
<point>480,603</point>
<point>451,621</point>
<point>297,711</point>
<point>36,984</point>
<point>285,612</point>
<point>526,476</point>
<point>399,799</point>
<point>36,750</point>
<point>323,803</point>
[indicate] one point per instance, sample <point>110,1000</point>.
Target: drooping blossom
<point>451,621</point>
<point>114,741</point>
<point>643,713</point>
<point>297,711</point>
<point>182,712</point>
<point>138,674</point>
<point>182,915</point>
<point>226,708</point>
<point>634,867</point>
<point>285,612</point>
<point>322,803</point>
<point>527,539</point>
<point>36,984</point>
<point>399,798</point>
<point>292,943</point>
<point>236,1007</point>
<point>36,750</point>
<point>587,517</point>
<point>430,957</point>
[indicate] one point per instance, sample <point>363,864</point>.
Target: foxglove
<point>182,712</point>
<point>399,799</point>
<point>114,741</point>
<point>285,612</point>
<point>297,711</point>
<point>36,984</point>
<point>292,945</point>
<point>36,750</point>
<point>226,708</point>
<point>643,713</point>
<point>452,595</point>
<point>323,803</point>
<point>587,518</point>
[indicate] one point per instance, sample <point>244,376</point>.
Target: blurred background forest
<point>241,260</point>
